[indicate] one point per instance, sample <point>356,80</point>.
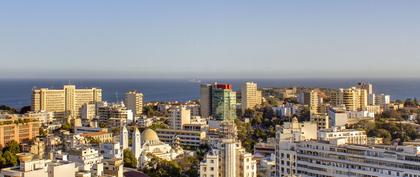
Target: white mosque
<point>147,144</point>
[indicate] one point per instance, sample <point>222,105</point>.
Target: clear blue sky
<point>137,39</point>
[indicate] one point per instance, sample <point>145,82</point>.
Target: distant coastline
<point>17,92</point>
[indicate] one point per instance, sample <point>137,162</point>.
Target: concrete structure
<point>350,135</point>
<point>187,138</point>
<point>286,110</point>
<point>40,168</point>
<point>228,158</point>
<point>250,95</point>
<point>335,158</point>
<point>66,102</point>
<point>338,117</point>
<point>134,101</point>
<point>382,100</point>
<point>111,150</point>
<point>312,99</point>
<point>180,116</point>
<point>101,137</point>
<point>267,166</point>
<point>205,100</point>
<point>352,98</point>
<point>366,86</point>
<point>124,138</point>
<point>296,131</point>
<point>323,120</point>
<point>136,145</point>
<point>114,114</point>
<point>18,129</point>
<point>87,159</point>
<point>151,144</point>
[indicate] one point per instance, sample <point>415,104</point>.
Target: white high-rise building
<point>136,145</point>
<point>228,158</point>
<point>134,101</point>
<point>251,96</point>
<point>124,138</point>
<point>180,116</point>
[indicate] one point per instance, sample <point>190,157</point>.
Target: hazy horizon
<point>214,39</point>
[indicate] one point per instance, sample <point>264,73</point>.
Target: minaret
<point>124,138</point>
<point>136,147</point>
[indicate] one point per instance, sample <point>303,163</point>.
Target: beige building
<point>187,138</point>
<point>251,96</point>
<point>323,120</point>
<point>353,98</point>
<point>66,102</point>
<point>18,129</point>
<point>228,158</point>
<point>180,116</point>
<point>312,99</point>
<point>134,101</point>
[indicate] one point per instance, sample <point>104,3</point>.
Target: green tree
<point>11,159</point>
<point>129,159</point>
<point>13,147</point>
<point>8,109</point>
<point>25,109</point>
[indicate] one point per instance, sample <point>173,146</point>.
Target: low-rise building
<point>350,135</point>
<point>187,138</point>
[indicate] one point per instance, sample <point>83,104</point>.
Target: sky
<point>210,39</point>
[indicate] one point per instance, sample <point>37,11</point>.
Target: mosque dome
<point>149,136</point>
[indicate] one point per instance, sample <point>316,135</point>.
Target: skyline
<point>236,39</point>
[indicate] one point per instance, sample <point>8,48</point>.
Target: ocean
<point>17,92</point>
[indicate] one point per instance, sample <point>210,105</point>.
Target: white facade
<point>134,102</point>
<point>352,136</point>
<point>124,138</point>
<point>251,96</point>
<point>136,145</point>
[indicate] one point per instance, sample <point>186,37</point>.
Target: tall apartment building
<point>251,96</point>
<point>291,132</point>
<point>382,100</point>
<point>134,101</point>
<point>223,102</point>
<point>352,98</point>
<point>366,86</point>
<point>228,158</point>
<point>336,158</point>
<point>66,102</point>
<point>312,99</point>
<point>18,129</point>
<point>205,100</point>
<point>180,116</point>
<point>322,119</point>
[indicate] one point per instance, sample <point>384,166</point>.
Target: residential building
<point>66,102</point>
<point>366,86</point>
<point>312,99</point>
<point>382,100</point>
<point>19,129</point>
<point>86,159</point>
<point>206,100</point>
<point>338,117</point>
<point>228,158</point>
<point>352,98</point>
<point>350,135</point>
<point>296,131</point>
<point>101,137</point>
<point>40,168</point>
<point>134,102</point>
<point>336,158</point>
<point>250,95</point>
<point>323,120</point>
<point>187,138</point>
<point>180,116</point>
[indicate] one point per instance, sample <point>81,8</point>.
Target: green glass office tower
<point>223,102</point>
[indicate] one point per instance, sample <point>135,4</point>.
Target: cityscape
<point>210,88</point>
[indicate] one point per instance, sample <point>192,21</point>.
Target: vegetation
<point>25,109</point>
<point>8,156</point>
<point>262,125</point>
<point>8,109</point>
<point>185,166</point>
<point>151,111</point>
<point>389,130</point>
<point>129,159</point>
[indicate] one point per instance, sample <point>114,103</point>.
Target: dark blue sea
<point>17,93</point>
